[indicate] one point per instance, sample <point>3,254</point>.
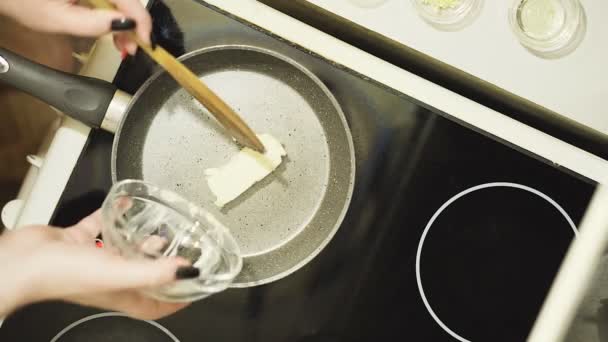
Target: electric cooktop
<point>450,236</point>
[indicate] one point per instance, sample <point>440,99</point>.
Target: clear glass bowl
<point>451,16</point>
<point>143,221</point>
<point>548,28</point>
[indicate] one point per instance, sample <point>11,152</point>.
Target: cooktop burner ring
<point>443,208</point>
<point>111,314</point>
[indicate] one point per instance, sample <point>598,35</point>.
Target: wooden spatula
<point>189,81</point>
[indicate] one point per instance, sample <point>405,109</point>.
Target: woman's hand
<point>67,16</point>
<point>41,263</point>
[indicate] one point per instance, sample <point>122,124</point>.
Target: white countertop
<point>575,86</point>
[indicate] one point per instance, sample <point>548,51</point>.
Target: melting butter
<point>244,169</point>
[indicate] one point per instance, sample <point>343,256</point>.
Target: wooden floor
<point>23,119</point>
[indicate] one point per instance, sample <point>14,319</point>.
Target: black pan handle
<point>84,98</point>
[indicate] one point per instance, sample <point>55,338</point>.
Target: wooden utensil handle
<point>189,81</point>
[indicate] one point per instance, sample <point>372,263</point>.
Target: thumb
<point>87,22</point>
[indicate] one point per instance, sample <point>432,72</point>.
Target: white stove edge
<point>70,139</point>
<point>576,273</point>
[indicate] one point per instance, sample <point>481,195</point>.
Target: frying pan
<point>162,135</point>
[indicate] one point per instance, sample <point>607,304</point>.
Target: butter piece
<point>244,169</point>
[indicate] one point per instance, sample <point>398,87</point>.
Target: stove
<point>451,235</point>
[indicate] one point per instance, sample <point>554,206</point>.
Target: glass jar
<point>548,28</point>
<point>448,15</point>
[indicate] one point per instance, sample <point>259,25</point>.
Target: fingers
<point>153,245</point>
<point>124,43</point>
<point>87,229</point>
<point>134,10</point>
<point>83,21</point>
<point>113,272</point>
<point>64,269</point>
<point>121,273</point>
<point>130,302</point>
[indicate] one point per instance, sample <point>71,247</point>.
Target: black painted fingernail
<point>123,24</point>
<point>187,272</point>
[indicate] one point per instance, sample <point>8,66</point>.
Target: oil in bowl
<point>448,15</point>
<point>548,28</point>
<point>541,19</point>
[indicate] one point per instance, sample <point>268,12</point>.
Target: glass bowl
<point>548,28</point>
<point>141,220</point>
<point>448,15</point>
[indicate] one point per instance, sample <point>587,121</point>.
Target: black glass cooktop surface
<point>450,236</point>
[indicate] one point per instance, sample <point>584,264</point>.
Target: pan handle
<point>83,98</point>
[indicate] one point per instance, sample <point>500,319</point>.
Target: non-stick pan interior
<point>282,222</point>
